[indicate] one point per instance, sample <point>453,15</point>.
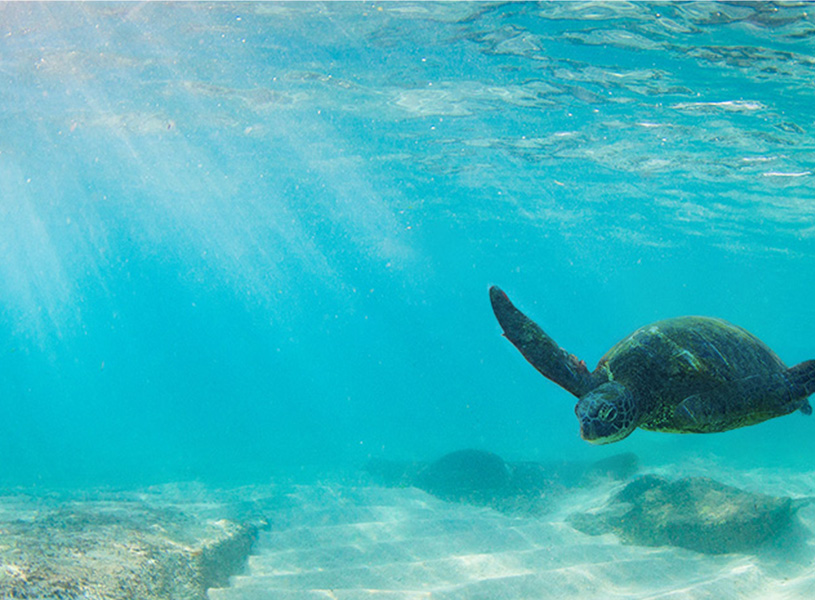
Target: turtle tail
<point>801,378</point>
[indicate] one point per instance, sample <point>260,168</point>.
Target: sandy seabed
<point>354,541</point>
<point>347,539</point>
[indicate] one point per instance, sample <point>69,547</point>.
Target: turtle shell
<point>664,363</point>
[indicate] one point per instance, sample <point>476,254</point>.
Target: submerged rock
<point>696,513</point>
<point>466,475</point>
<point>118,550</point>
<point>483,478</point>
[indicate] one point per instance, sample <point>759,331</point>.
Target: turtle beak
<point>589,433</point>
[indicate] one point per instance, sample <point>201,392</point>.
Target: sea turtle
<point>681,375</point>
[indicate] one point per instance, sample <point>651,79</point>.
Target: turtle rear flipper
<point>802,378</point>
<point>542,352</point>
<point>802,381</point>
<point>748,401</point>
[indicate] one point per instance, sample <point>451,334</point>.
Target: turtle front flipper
<point>539,349</point>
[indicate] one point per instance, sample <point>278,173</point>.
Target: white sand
<point>352,542</point>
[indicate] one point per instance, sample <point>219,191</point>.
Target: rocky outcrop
<point>116,550</point>
<point>696,513</point>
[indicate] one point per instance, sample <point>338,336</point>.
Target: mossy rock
<point>696,513</point>
<point>119,550</point>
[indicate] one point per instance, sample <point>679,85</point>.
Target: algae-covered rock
<point>696,513</point>
<point>118,550</point>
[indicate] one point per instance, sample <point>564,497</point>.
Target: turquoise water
<point>239,240</point>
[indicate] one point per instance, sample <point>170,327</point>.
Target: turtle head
<point>607,414</point>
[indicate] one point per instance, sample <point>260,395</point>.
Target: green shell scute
<point>669,361</point>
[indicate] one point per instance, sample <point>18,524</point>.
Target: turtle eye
<point>607,413</point>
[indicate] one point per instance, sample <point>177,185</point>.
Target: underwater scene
<point>402,301</point>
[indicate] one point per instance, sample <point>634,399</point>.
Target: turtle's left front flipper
<point>539,349</point>
<point>748,401</point>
